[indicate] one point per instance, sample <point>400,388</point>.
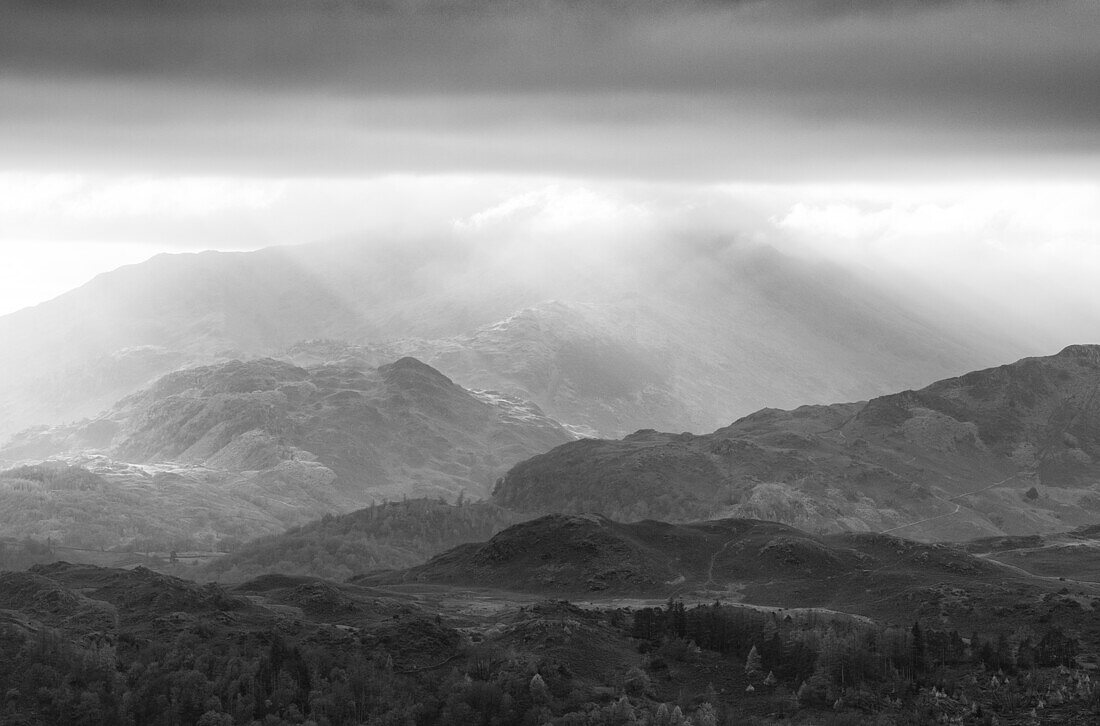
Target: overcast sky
<point>956,141</point>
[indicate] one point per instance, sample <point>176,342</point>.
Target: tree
<point>1025,653</point>
<point>1003,653</point>
<point>540,694</point>
<point>705,715</point>
<point>1055,648</point>
<point>636,682</point>
<point>916,648</point>
<point>754,667</point>
<point>213,718</point>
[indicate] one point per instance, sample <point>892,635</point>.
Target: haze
<point>946,150</point>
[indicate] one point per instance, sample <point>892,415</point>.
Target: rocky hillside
<point>1013,449</point>
<point>246,448</point>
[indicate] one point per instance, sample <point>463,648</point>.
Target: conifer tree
<point>753,665</point>
<point>916,648</point>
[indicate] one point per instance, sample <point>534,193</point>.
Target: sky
<point>955,144</point>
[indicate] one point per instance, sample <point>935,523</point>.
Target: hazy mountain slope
<point>70,357</point>
<point>699,348</point>
<point>683,336</point>
<point>290,442</point>
<point>96,503</point>
<point>77,354</point>
<point>954,460</point>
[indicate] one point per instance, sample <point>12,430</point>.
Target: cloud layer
<point>953,145</point>
<point>702,90</point>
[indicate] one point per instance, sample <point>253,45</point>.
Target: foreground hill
<point>246,448</point>
<point>387,536</point>
<point>720,330</point>
<point>1013,449</point>
<point>740,559</point>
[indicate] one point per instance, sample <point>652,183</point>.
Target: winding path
<point>989,556</point>
<point>949,500</point>
<point>714,559</point>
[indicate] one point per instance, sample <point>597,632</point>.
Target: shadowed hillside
<point>390,535</point>
<point>726,558</point>
<point>1013,449</point>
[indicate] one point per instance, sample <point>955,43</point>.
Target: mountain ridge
<point>687,354</point>
<point>969,446</point>
<point>273,442</point>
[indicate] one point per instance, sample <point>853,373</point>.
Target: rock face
<point>950,461</point>
<point>278,444</point>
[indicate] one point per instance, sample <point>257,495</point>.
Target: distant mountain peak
<point>407,367</point>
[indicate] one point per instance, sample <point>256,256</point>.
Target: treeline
<point>195,680</point>
<point>265,679</point>
<point>418,671</point>
<point>388,535</point>
<point>792,644</point>
<point>54,476</point>
<point>834,660</point>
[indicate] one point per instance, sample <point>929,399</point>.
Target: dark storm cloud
<point>578,80</point>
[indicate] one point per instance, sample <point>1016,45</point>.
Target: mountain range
<point>222,453</point>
